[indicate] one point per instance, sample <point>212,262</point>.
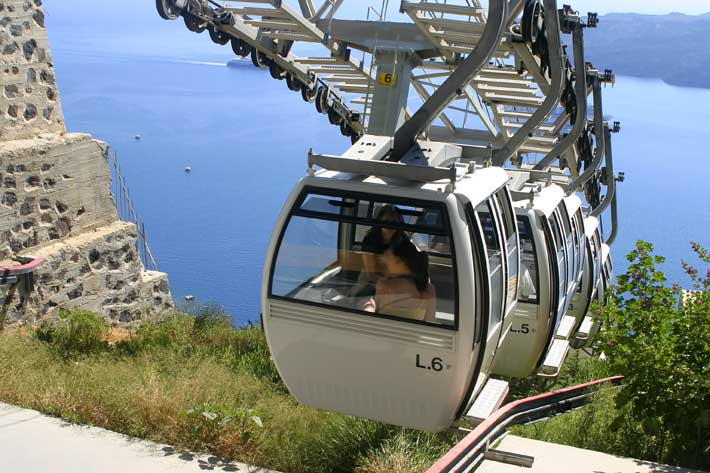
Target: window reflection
<point>529,279</point>
<point>362,254</point>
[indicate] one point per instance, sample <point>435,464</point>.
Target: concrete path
<point>31,442</point>
<point>553,458</point>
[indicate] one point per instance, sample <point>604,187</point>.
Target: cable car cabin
<point>388,301</point>
<point>549,272</point>
<point>607,280</point>
<point>591,279</point>
<point>572,210</point>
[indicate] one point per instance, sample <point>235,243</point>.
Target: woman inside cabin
<point>378,239</point>
<point>405,290</point>
<point>374,244</point>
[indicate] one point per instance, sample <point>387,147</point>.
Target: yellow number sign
<point>388,79</point>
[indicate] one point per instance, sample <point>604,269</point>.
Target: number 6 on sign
<point>388,79</point>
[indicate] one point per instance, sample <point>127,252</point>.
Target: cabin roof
<point>480,184</point>
<point>475,186</point>
<point>605,252</point>
<point>573,204</point>
<point>547,200</point>
<point>590,226</point>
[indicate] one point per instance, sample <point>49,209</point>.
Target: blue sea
<point>246,137</point>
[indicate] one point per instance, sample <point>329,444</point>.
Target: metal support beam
<point>334,4</point>
<point>580,89</point>
<point>614,222</point>
<point>424,95</point>
<point>384,169</point>
<point>611,178</point>
<point>552,24</point>
<point>515,7</point>
<point>478,107</point>
<point>600,132</point>
<point>490,39</point>
<point>532,64</point>
<point>390,91</point>
<point>307,8</point>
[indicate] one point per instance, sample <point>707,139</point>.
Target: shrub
<point>78,332</point>
<point>662,347</point>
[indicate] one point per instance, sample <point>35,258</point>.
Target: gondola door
<point>497,271</point>
<point>511,245</point>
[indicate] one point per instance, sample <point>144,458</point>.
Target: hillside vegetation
<point>197,382</point>
<point>669,47</point>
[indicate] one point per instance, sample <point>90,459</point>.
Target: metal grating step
<point>543,139</point>
<point>526,148</point>
<point>499,72</point>
<point>490,398</point>
<point>515,114</point>
<point>564,330</point>
<point>585,328</point>
<point>462,10</point>
<point>256,11</point>
<point>555,357</point>
<point>453,25</point>
<point>542,128</point>
<point>512,100</point>
<point>515,91</point>
<point>510,83</point>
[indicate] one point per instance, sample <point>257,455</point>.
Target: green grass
<point>201,385</point>
<point>196,382</point>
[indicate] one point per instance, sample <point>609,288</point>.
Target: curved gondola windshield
<point>368,254</point>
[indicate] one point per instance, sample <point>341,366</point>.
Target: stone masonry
<point>55,195</point>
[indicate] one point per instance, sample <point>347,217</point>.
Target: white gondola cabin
<point>591,280</point>
<point>602,294</point>
<point>550,270</point>
<point>345,328</point>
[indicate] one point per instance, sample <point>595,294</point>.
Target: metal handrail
<point>24,268</point>
<point>127,212</point>
<point>468,453</point>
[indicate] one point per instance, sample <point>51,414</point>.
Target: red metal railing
<point>24,268</point>
<point>466,454</point>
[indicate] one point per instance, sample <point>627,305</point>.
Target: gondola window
<point>370,255</point>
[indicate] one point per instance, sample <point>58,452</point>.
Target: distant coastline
<point>673,47</point>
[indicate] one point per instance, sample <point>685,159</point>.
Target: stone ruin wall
<point>55,197</point>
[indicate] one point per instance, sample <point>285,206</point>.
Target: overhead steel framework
<point>499,81</point>
<point>429,103</point>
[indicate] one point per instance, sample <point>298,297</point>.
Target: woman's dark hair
<point>417,261</point>
<point>387,214</point>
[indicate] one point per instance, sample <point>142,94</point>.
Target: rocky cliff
<point>55,195</point>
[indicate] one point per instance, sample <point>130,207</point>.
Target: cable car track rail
<point>466,455</point>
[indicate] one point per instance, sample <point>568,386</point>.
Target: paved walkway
<point>553,458</point>
<point>31,442</point>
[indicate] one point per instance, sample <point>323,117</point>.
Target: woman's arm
<point>369,263</point>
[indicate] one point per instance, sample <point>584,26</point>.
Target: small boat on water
<point>137,137</point>
<point>238,62</point>
<point>188,168</point>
